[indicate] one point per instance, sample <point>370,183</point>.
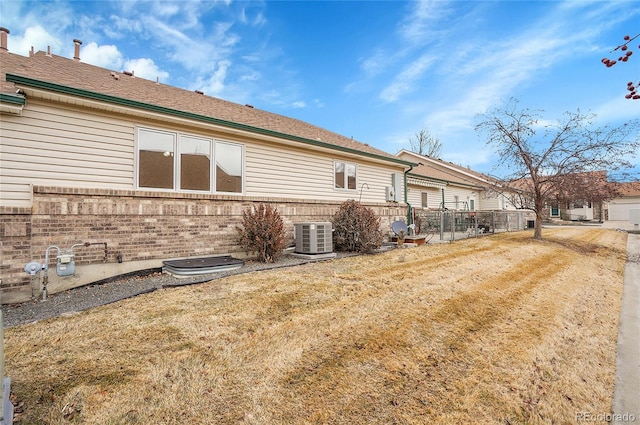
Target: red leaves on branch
<point>633,91</point>
<point>624,47</point>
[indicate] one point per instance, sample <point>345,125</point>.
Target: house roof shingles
<point>65,72</point>
<point>629,189</point>
<point>445,171</point>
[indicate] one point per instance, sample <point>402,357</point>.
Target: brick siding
<point>138,225</point>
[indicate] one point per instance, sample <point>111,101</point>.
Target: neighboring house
<point>626,199</point>
<point>578,210</point>
<point>580,197</point>
<point>152,172</point>
<point>437,184</point>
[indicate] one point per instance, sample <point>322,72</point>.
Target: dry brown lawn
<point>494,330</point>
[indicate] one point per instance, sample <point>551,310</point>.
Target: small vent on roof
<point>130,74</point>
<point>199,92</point>
<point>248,106</point>
<point>115,76</point>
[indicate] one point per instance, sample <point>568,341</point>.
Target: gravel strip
<point>101,293</point>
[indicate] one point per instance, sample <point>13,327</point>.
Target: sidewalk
<point>626,399</point>
<point>622,225</point>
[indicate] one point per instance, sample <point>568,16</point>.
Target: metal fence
<point>452,225</point>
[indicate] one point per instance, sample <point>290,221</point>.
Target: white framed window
<point>195,163</point>
<point>183,162</point>
<point>344,175</point>
<point>229,168</point>
<point>156,159</point>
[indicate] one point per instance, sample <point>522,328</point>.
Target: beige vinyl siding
<point>414,196</point>
<point>377,178</point>
<point>14,194</point>
<point>463,194</point>
<point>490,201</point>
<point>73,147</point>
<point>273,170</point>
<point>434,196</point>
<point>496,201</point>
<point>63,146</point>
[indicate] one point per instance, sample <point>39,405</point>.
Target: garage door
<point>621,211</point>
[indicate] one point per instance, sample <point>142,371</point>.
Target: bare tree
<point>423,143</point>
<point>542,159</point>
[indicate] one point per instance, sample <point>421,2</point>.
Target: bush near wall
<point>356,228</point>
<point>262,233</point>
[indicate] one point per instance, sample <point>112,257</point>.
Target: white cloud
<point>107,56</point>
<point>617,109</point>
<point>146,68</point>
<point>214,84</point>
<point>165,9</point>
<point>120,27</point>
<point>405,81</point>
<point>423,20</point>
<point>193,53</point>
<point>259,20</point>
<point>376,62</point>
<point>37,37</point>
<point>249,75</point>
<point>256,21</point>
<point>470,157</point>
<point>299,104</point>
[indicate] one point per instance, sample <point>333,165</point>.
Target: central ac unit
<point>313,238</point>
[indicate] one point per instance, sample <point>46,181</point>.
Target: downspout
<point>406,196</point>
<point>443,206</point>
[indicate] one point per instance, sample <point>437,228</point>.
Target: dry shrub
<point>262,233</point>
<point>356,228</point>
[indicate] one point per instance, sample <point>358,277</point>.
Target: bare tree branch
<point>568,159</point>
<point>423,143</point>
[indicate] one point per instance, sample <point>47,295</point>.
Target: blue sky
<point>377,71</point>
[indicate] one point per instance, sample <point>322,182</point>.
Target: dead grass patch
<point>494,330</point>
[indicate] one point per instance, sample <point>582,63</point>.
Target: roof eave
<point>445,164</point>
<point>12,103</point>
<point>448,182</point>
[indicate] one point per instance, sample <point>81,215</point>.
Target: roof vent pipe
<point>76,54</point>
<point>3,39</point>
